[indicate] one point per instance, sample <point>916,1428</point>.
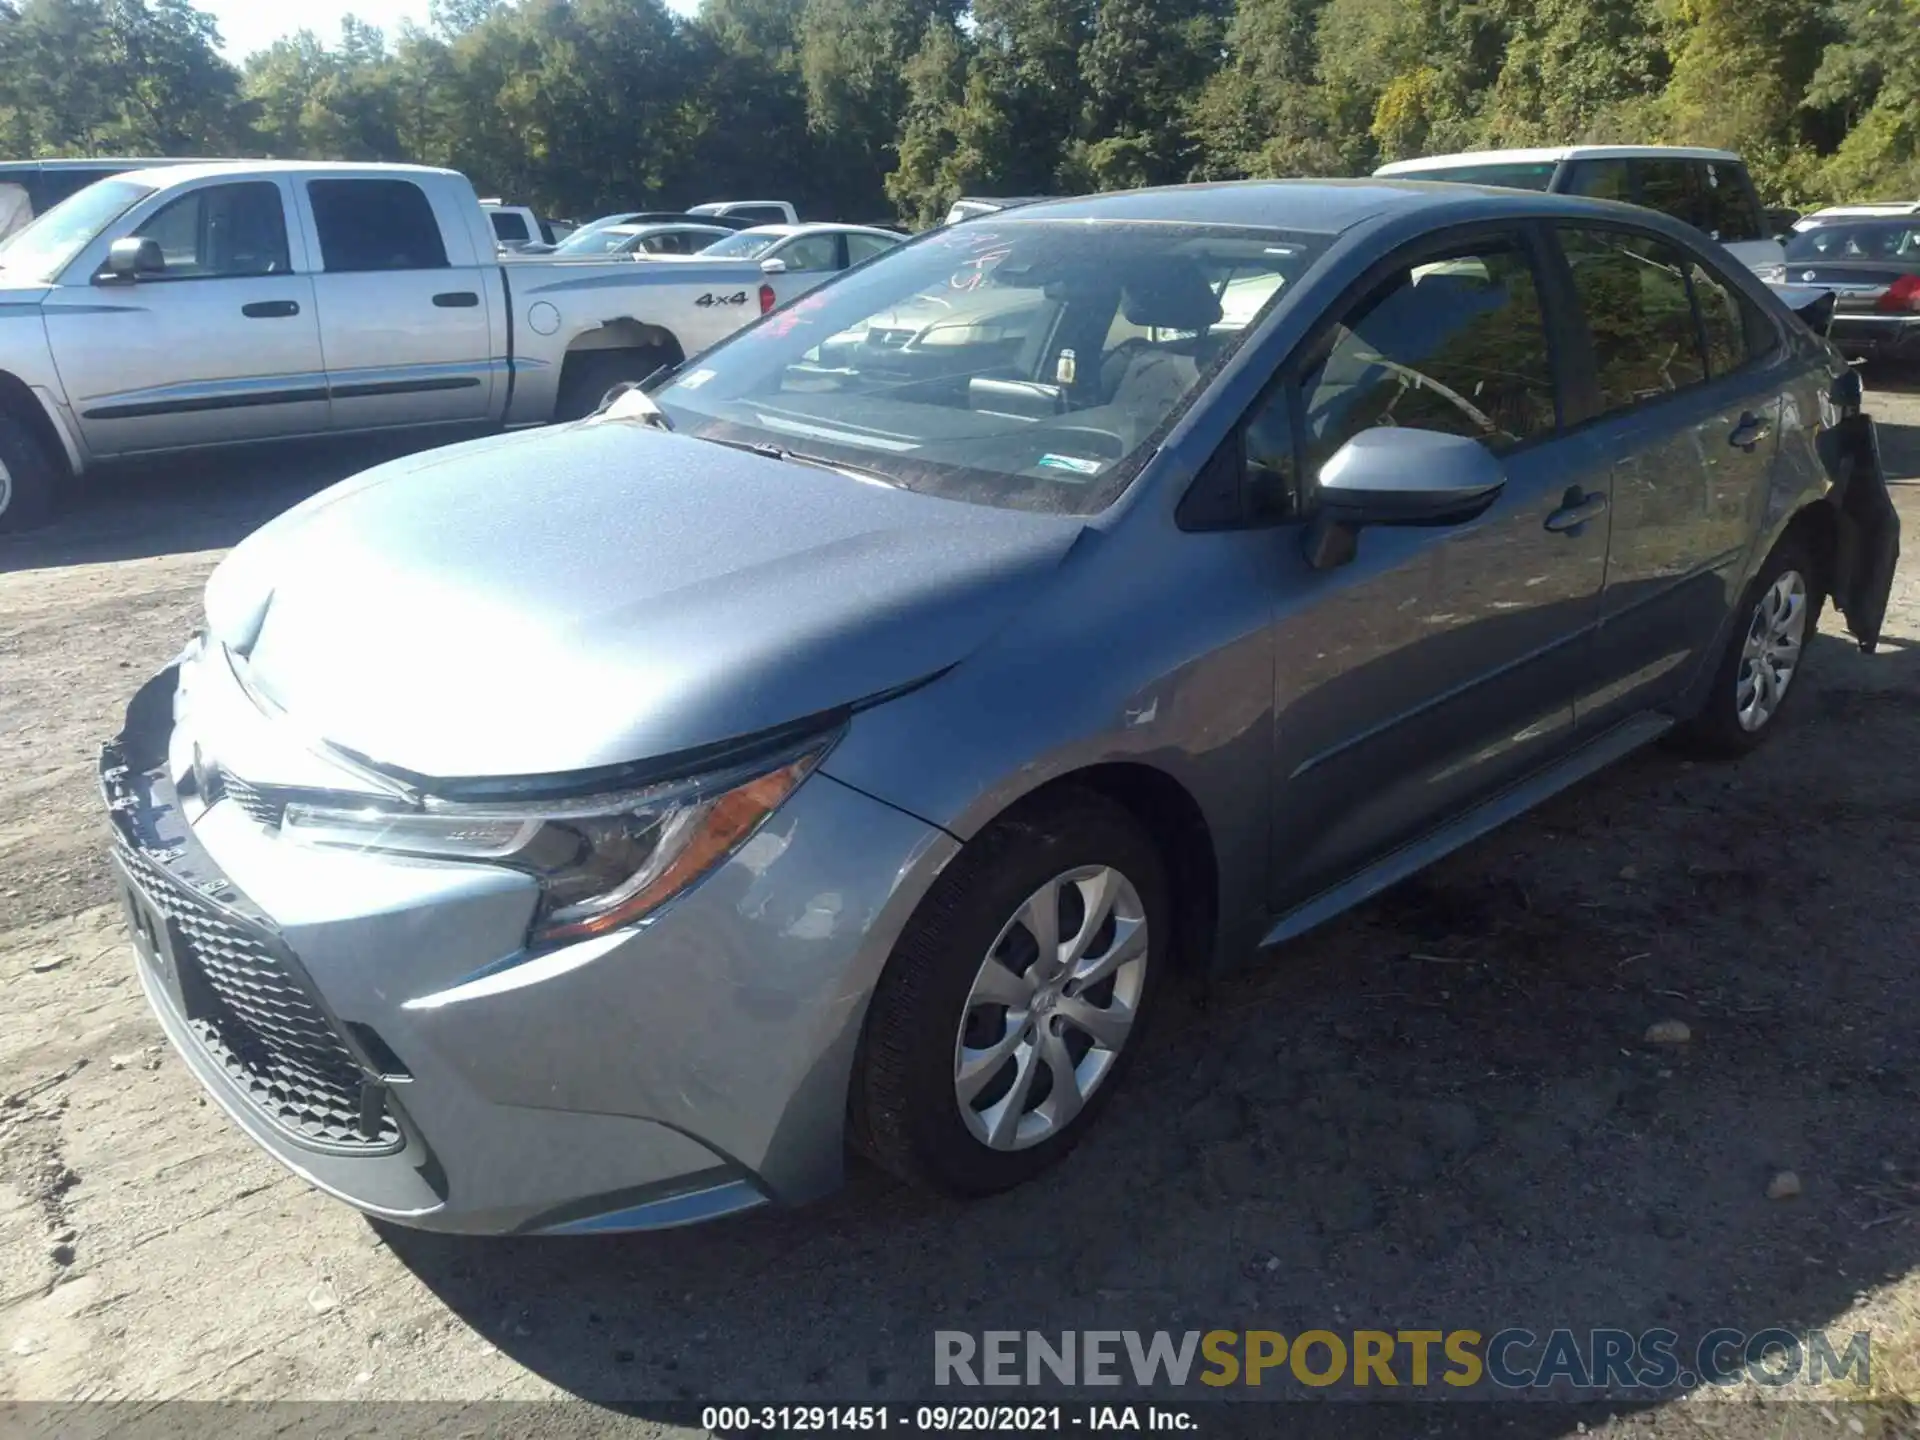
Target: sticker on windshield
<point>1078,464</point>
<point>696,379</point>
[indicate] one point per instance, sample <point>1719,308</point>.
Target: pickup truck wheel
<point>27,477</point>
<point>1759,671</point>
<point>1014,999</point>
<point>589,374</point>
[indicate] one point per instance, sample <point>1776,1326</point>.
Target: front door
<point>220,343</point>
<point>1438,664</point>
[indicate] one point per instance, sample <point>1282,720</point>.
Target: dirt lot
<point>1437,1111</point>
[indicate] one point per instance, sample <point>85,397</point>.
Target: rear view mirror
<point>1393,475</point>
<point>133,257</point>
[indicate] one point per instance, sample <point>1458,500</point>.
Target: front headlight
<point>603,862</point>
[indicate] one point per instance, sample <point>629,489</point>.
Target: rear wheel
<point>27,476</point>
<point>1760,667</point>
<point>1015,999</point>
<point>589,374</point>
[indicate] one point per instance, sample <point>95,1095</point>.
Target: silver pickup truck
<point>200,305</point>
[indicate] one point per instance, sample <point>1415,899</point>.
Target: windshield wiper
<point>797,457</point>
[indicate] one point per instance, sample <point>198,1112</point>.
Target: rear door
<point>1683,382</point>
<point>404,305</point>
<point>1439,664</point>
<point>220,344</point>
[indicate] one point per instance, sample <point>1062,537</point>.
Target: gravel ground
<point>1441,1110</point>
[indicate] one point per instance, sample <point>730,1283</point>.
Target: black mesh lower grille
<point>258,1021</point>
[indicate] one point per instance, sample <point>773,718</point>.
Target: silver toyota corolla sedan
<point>846,739</point>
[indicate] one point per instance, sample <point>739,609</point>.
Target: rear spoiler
<point>1813,305</point>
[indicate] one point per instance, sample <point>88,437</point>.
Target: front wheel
<point>1759,669</point>
<point>1014,1000</point>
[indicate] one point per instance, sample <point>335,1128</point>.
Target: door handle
<point>1749,432</point>
<point>456,300</point>
<point>1575,510</point>
<point>270,309</point>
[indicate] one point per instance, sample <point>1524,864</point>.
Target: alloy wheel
<point>1771,656</point>
<point>1051,1008</point>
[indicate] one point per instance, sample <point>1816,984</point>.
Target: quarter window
<point>1633,292</point>
<point>375,225</point>
<point>1456,343</point>
<point>222,230</point>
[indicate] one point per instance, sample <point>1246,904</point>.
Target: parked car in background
<point>728,223</point>
<point>969,207</point>
<point>1708,189</point>
<point>198,305</point>
<point>673,238</point>
<point>758,212</point>
<point>599,829</point>
<point>1872,266</point>
<point>803,249</point>
<point>1844,214</point>
<point>32,187</point>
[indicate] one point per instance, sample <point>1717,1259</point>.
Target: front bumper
<point>1893,338</point>
<point>375,1024</point>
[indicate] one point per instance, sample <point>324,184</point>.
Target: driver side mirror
<point>132,257</point>
<point>773,267</point>
<point>1780,221</point>
<point>1392,475</point>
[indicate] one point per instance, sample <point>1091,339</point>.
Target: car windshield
<point>47,246</point>
<point>745,244</point>
<point>595,242</point>
<point>1875,240</point>
<point>1514,175</point>
<point>1028,364</point>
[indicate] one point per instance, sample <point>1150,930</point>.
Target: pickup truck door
<point>405,304</point>
<point>219,345</point>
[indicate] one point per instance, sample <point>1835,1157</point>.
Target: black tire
<point>589,374</point>
<point>1716,731</point>
<point>28,487</point>
<point>906,1114</point>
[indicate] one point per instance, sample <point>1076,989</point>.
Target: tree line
<point>871,109</point>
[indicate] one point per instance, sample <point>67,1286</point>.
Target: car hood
<point>605,593</point>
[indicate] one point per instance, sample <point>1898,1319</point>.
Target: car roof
<point>1323,206</point>
<point>1553,154</point>
<point>341,169</point>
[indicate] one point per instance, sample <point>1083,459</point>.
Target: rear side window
<point>1666,186</point>
<point>510,227</point>
<point>1634,296</point>
<point>865,247</point>
<point>1723,321</point>
<point>759,214</point>
<point>1456,343</point>
<point>375,225</point>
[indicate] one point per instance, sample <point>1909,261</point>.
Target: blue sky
<point>249,25</point>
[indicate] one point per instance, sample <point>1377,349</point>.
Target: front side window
<point>811,252</point>
<point>221,231</point>
<point>1633,293</point>
<point>1027,364</point>
<point>375,225</point>
<point>1456,343</point>
<point>744,245</point>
